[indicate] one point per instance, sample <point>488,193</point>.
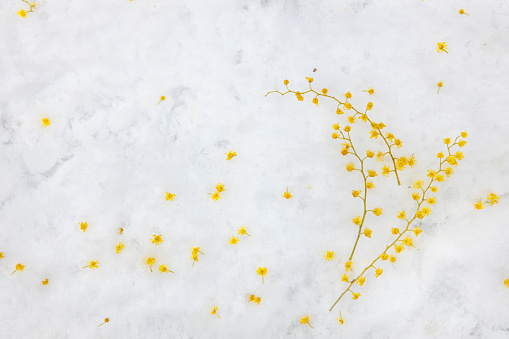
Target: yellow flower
<point>377,211</point>
<point>46,122</point>
<point>402,162</point>
<point>83,226</point>
<point>447,141</point>
<point>315,101</point>
<point>196,250</point>
<point>162,99</point>
<point>310,79</point>
<point>372,173</point>
<point>242,231</point>
<point>373,134</point>
<point>369,106</point>
<point>305,320</point>
<point>157,239</point>
<point>426,210</point>
<point>329,256</point>
<point>324,91</point>
<point>233,240</point>
<point>384,256</point>
<point>347,129</point>
<point>348,95</point>
<point>416,196</point>
<point>286,82</point>
<point>461,11</point>
<point>348,105</point>
<point>105,321</point>
<point>22,13</point>
<point>361,280</point>
<point>432,200</point>
<point>350,167</point>
<point>19,267</point>
<point>364,118</point>
<point>348,266</point>
<point>370,90</point>
<point>449,171</point>
<point>336,126</point>
<point>417,230</point>
<point>402,215</point>
<point>493,198</point>
<point>164,269</point>
<point>380,156</point>
<point>194,257</point>
<point>121,230</point>
<point>1,255</point>
<point>93,264</point>
<point>392,259</point>
<point>45,282</point>
<point>299,96</point>
<point>150,262</point>
<point>370,185</point>
<point>214,311</point>
<point>119,247</point>
<point>216,196</point>
<point>398,143</point>
<point>370,154</point>
<point>344,278</point>
<point>338,111</point>
<point>418,184</point>
<point>462,143</point>
<point>440,155</point>
<point>170,196</point>
<point>439,178</point>
<point>440,84</point>
<point>335,135</point>
<point>355,296</point>
<point>255,299</point>
<point>389,136</point>
<point>395,230</point>
<point>230,155</point>
<point>351,119</point>
<point>478,205</point>
<point>442,47</point>
<point>411,162</point>
<point>357,220</point>
<point>506,283</point>
<point>434,189</point>
<point>378,272</point>
<point>386,170</point>
<point>398,248</point>
<point>367,232</point>
<point>340,319</point>
<point>287,194</point>
<point>464,134</point>
<point>220,188</point>
<point>408,242</point>
<point>261,271</point>
<point>356,193</point>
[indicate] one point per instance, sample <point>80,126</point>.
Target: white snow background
<point>97,68</point>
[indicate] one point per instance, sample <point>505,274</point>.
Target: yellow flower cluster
<point>491,199</point>
<point>217,194</point>
<point>22,13</point>
<point>230,155</point>
<point>255,299</point>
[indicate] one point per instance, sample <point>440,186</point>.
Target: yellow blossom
<point>386,170</point>
<point>370,90</point>
<point>286,82</point>
<point>398,248</point>
<point>478,205</point>
<point>361,280</point>
<point>220,188</point>
<point>369,106</point>
<point>45,282</point>
<point>315,101</point>
<point>355,296</point>
<point>373,134</point>
<point>329,255</point>
<point>46,122</point>
<point>335,135</point>
<point>340,319</point>
<point>233,240</point>
<point>506,283</point>
<point>411,162</point>
<point>392,259</point>
<point>384,256</point>
<point>426,210</point>
<point>441,47</point>
<point>261,271</point>
<point>440,155</point>
<point>83,226</point>
<point>344,278</point>
<point>420,214</point>
<point>93,264</point>
<point>351,119</point>
<point>150,262</point>
<point>119,247</point>
<point>216,196</point>
<point>408,242</point>
<point>230,155</point>
<point>214,308</point>
<point>350,167</point>
<point>418,184</point>
<point>347,129</point>
<point>380,156</point>
<point>370,185</point>
<point>432,200</point>
<point>398,143</point>
<point>121,230</point>
<point>365,118</point>
<point>378,272</point>
<point>20,268</point>
<point>255,299</point>
<point>372,173</point>
<point>449,171</point>
<point>287,194</point>
<point>461,11</point>
<point>367,232</point>
<point>170,196</point>
<point>336,126</point>
<point>464,134</point>
<point>402,162</point>
<point>417,230</point>
<point>194,257</point>
<point>157,239</point>
<point>305,320</point>
<point>357,220</point>
<point>458,155</point>
<point>356,193</point>
<point>493,198</point>
<point>299,96</point>
<point>416,196</point>
<point>439,178</point>
<point>434,189</point>
<point>462,143</point>
<point>338,111</point>
<point>1,255</point>
<point>389,136</point>
<point>447,141</point>
<point>348,95</point>
<point>348,265</point>
<point>310,79</point>
<point>370,154</point>
<point>348,105</point>
<point>402,215</point>
<point>377,211</point>
<point>164,269</point>
<point>105,321</point>
<point>440,84</point>
<point>22,13</point>
<point>395,230</point>
<point>344,151</point>
<point>162,99</point>
<point>242,231</point>
<point>324,91</point>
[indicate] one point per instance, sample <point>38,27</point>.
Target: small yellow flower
<point>408,242</point>
<point>386,170</point>
<point>45,282</point>
<point>442,47</point>
<point>479,205</point>
<point>355,296</point>
<point>380,156</point>
<point>389,136</point>
<point>372,173</point>
<point>299,96</point>
<point>392,259</point>
<point>370,153</point>
<point>83,226</point>
<point>242,231</point>
<point>324,91</point>
<point>348,95</point>
<point>395,230</point>
<point>105,321</point>
<point>369,106</point>
<point>458,155</point>
<point>447,141</point>
<point>439,178</point>
<point>121,230</point>
<point>287,194</point>
<point>464,134</point>
<point>93,264</point>
<point>286,82</point>
<point>233,240</point>
<point>164,269</point>
<point>119,247</point>
<point>350,167</point>
<point>357,220</point>
<point>351,119</point>
<point>377,211</point>
<point>340,319</point>
<point>19,267</point>
<point>398,248</point>
<point>462,143</point>
<point>315,101</point>
<point>1,255</point>
<point>401,215</point>
<point>348,105</point>
<point>411,162</point>
<point>493,198</point>
<point>255,299</point>
<point>170,196</point>
<point>461,11</point>
<point>305,320</point>
<point>416,196</point>
<point>367,232</point>
<point>310,79</point>
<point>329,255</point>
<point>426,210</point>
<point>261,271</point>
<point>162,99</point>
<point>370,185</point>
<point>370,90</point>
<point>335,135</point>
<point>214,311</point>
<point>356,193</point>
<point>432,200</point>
<point>338,111</point>
<point>22,13</point>
<point>336,126</point>
<point>157,239</point>
<point>347,129</point>
<point>150,262</point>
<point>344,278</point>
<point>398,143</point>
<point>449,171</point>
<point>230,155</point>
<point>378,272</point>
<point>417,230</point>
<point>373,134</point>
<point>216,196</point>
<point>46,122</point>
<point>418,184</point>
<point>194,254</point>
<point>434,189</point>
<point>440,84</point>
<point>194,257</point>
<point>361,280</point>
<point>348,265</point>
<point>506,283</point>
<point>384,256</point>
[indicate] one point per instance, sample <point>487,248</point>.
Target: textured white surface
<point>96,69</point>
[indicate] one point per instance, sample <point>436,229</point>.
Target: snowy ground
<point>97,69</point>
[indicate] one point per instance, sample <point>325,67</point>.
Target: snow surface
<point>97,68</point>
